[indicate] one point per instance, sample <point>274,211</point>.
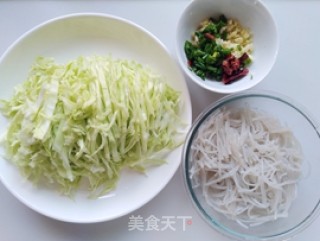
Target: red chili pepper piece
<point>243,58</point>
<point>228,79</point>
<point>209,36</point>
<point>230,64</point>
<point>232,68</point>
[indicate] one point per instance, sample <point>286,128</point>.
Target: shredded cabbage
<point>89,119</point>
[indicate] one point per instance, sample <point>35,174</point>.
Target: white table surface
<point>296,74</point>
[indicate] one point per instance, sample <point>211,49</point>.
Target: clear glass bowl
<point>305,207</point>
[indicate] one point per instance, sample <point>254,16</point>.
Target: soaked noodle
<point>247,165</point>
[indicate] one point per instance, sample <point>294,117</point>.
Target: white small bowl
<point>252,14</point>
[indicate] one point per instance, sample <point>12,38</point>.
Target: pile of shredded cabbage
<point>89,119</point>
<point>247,165</point>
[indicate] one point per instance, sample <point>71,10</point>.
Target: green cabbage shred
<point>89,119</point>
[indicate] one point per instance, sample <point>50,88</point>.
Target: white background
<point>295,74</point>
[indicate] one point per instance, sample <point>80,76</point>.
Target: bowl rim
<point>273,95</point>
<point>202,83</point>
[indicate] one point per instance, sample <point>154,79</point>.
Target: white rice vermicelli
<point>246,164</point>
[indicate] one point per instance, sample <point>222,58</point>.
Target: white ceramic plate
<point>65,38</point>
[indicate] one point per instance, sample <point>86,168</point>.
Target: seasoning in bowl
<point>220,49</point>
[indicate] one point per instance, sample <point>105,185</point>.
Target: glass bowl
<point>305,205</point>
